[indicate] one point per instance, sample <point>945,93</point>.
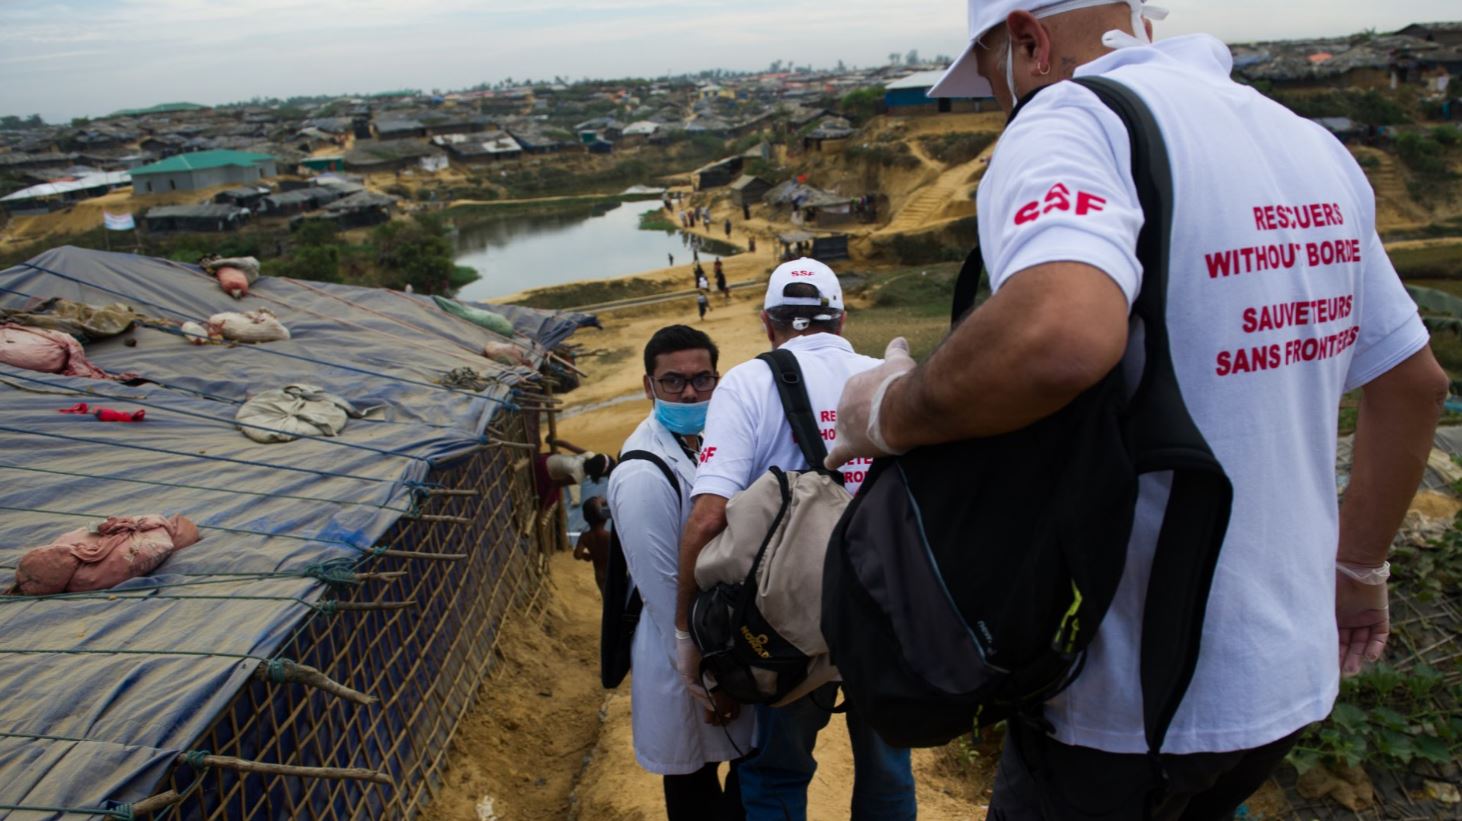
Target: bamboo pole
<point>451,491</point>
<point>361,606</point>
<point>411,554</point>
<point>265,768</point>
<point>503,443</point>
<point>284,670</point>
<point>156,803</point>
<point>440,517</point>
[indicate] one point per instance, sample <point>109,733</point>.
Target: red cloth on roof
<point>121,548</point>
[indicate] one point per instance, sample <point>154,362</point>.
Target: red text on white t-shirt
<point>1058,198</point>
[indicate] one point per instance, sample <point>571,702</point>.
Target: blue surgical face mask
<point>686,419</point>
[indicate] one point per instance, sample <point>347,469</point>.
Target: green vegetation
<point>958,147</point>
<point>912,303</point>
<point>861,104</point>
<point>463,275</point>
<point>416,252</point>
<point>552,179</point>
<point>657,220</point>
<point>593,293</point>
<point>888,155</point>
<point>1391,716</point>
<point>1428,262</point>
<point>1368,107</point>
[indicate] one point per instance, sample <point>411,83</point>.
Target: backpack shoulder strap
<point>618,568</point>
<point>1165,438</point>
<point>792,389</point>
<point>654,459</point>
<point>967,286</point>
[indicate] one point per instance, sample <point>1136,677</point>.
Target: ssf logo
<point>801,274</point>
<point>1059,199</point>
<point>707,454</point>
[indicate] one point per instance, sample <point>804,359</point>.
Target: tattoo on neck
<point>1068,66</point>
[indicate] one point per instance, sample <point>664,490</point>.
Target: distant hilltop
<point>160,108</point>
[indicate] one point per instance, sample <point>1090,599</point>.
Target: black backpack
<point>622,602</point>
<point>966,580</point>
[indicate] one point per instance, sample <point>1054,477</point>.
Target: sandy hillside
<point>546,742</point>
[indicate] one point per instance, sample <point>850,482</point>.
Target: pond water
<point>596,242</point>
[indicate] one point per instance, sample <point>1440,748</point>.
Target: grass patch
<point>463,275</point>
<point>888,155</point>
<point>1435,262</point>
<point>592,293</point>
<point>913,304</point>
<point>656,220</point>
<point>959,147</point>
<point>485,211</point>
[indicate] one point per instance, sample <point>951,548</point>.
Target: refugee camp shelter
<point>830,135</point>
<point>748,190</point>
<point>717,174</point>
<point>910,96</point>
<point>202,169</point>
<point>48,196</point>
<point>243,196</point>
<point>342,606</point>
<point>211,217</point>
<point>361,209</point>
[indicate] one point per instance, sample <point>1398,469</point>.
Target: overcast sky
<point>67,58</point>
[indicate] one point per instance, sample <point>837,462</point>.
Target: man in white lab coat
<point>676,734</point>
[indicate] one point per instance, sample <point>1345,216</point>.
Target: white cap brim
<point>962,79</point>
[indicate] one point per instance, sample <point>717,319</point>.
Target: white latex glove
<point>859,428</point>
<point>688,664</point>
<point>1362,613</point>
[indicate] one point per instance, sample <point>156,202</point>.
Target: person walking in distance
<point>676,734</point>
<point>747,433</point>
<point>702,303</point>
<point>1281,300</point>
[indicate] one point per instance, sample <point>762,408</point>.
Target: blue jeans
<point>774,778</point>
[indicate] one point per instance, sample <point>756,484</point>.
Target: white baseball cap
<point>810,272</point>
<point>963,78</point>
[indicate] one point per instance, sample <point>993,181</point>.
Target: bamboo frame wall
<point>424,664</point>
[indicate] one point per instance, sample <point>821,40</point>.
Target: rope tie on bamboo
<point>186,317</point>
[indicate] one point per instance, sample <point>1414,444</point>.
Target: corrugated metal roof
<point>200,160</point>
<point>51,189</point>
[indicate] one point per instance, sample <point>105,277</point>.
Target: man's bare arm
<point>707,520</point>
<point>1048,334</point>
<point>1393,437</point>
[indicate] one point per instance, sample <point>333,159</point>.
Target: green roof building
<point>202,169</point>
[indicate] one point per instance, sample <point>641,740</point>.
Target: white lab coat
<point>670,733</point>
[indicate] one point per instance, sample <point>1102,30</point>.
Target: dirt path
<point>546,742</point>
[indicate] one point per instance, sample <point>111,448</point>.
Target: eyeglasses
<point>675,383</point>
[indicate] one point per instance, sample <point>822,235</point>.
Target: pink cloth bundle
<point>121,548</point>
<point>47,351</point>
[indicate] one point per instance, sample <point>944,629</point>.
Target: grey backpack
<point>757,619</point>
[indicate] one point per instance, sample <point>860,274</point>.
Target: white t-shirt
<point>746,431</point>
<point>1280,299</point>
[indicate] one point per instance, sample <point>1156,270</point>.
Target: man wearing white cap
<point>1280,299</point>
<point>747,434</point>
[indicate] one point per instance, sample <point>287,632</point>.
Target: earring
<point>1043,70</point>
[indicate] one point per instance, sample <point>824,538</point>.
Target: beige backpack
<point>757,619</point>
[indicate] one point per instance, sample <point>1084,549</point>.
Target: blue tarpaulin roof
<point>191,635</point>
